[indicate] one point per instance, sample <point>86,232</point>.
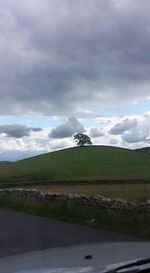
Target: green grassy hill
<point>93,162</point>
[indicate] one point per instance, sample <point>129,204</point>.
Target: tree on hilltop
<point>82,139</point>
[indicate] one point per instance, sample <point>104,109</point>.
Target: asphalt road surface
<point>20,233</point>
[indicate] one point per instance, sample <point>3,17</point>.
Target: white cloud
<point>67,129</point>
<point>123,126</point>
<point>96,132</point>
<point>141,133</point>
<point>113,141</point>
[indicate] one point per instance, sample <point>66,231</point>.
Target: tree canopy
<point>82,139</point>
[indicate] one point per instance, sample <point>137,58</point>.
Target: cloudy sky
<point>73,66</point>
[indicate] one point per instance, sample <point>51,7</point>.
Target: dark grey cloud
<point>123,126</point>
<point>17,130</point>
<point>96,132</point>
<point>64,56</point>
<point>67,129</point>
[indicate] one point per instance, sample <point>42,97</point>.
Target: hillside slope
<point>5,162</point>
<point>143,150</point>
<point>93,162</point>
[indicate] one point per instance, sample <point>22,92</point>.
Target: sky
<point>73,66</point>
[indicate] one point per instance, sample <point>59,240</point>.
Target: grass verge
<point>135,222</point>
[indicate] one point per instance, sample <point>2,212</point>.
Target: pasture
<point>80,163</point>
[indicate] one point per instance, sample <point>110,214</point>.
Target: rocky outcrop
<point>81,199</point>
<point>145,204</point>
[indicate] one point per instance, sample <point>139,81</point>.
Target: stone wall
<point>81,199</point>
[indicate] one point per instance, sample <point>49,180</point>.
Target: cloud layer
<point>64,56</point>
<point>73,60</point>
<point>18,141</point>
<point>17,130</point>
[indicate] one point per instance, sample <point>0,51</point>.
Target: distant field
<point>132,193</point>
<point>93,162</point>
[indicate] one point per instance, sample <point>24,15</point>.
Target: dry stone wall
<point>81,199</point>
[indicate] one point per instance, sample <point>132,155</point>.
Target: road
<point>20,233</point>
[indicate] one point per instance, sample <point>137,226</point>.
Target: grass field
<point>132,193</point>
<point>93,162</point>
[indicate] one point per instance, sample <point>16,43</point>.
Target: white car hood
<point>72,259</point>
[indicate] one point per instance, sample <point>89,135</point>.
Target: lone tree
<point>82,139</point>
